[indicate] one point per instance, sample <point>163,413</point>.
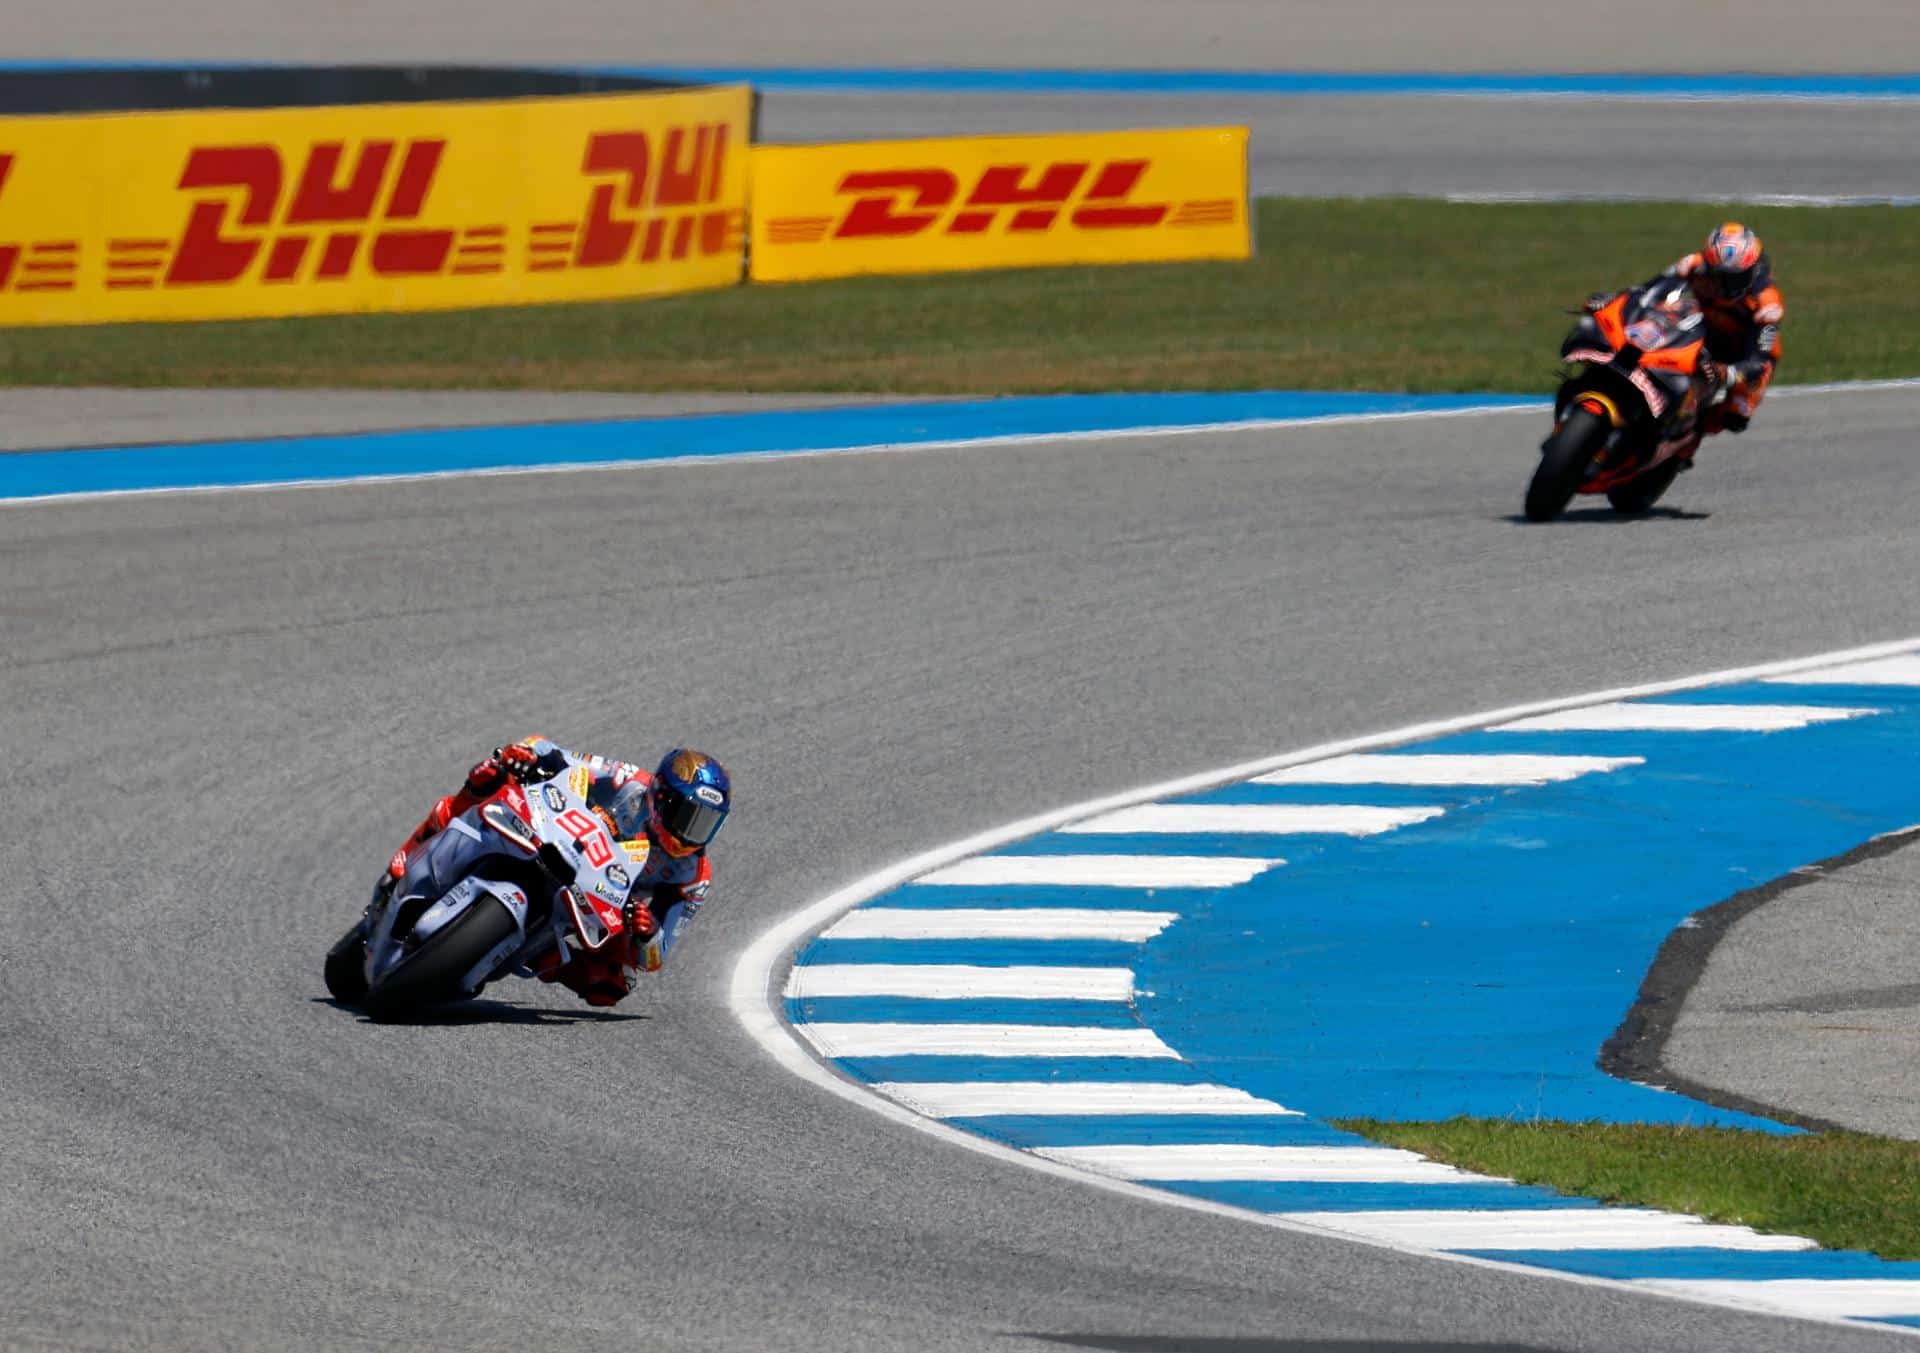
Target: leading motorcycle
<point>1629,415</point>
<point>527,872</point>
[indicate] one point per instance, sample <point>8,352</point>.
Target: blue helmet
<point>691,798</point>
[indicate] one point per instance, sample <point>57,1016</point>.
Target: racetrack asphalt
<point>1324,146</point>
<point>1355,146</point>
<point>1416,35</point>
<point>223,711</point>
<point>1810,1003</point>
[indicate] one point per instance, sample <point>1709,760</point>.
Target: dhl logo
<point>640,211</point>
<point>250,209</point>
<point>253,219</point>
<point>235,213</point>
<point>1025,198</point>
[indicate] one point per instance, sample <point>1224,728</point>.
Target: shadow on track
<point>490,1012</point>
<point>1606,516</point>
<point>1130,1343</point>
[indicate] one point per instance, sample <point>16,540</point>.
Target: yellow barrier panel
<point>418,206</point>
<point>999,202</point>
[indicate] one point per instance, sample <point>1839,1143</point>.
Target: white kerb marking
<point>955,982</point>
<point>1008,923</point>
<point>1434,768</point>
<point>1100,871</point>
<point>1827,1297</point>
<point>752,993</point>
<point>981,1040</point>
<point>1211,1161</point>
<point>1901,671</point>
<point>980,1099</point>
<point>1254,818</point>
<point>1549,1228</point>
<point>1625,716</point>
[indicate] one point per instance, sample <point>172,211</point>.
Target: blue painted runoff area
<point>33,474</point>
<point>1468,960</point>
<point>1475,963</point>
<point>1296,84</point>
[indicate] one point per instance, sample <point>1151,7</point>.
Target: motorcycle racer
<point>663,821</point>
<point>1732,278</point>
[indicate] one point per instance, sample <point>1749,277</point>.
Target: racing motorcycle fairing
<point>542,852</point>
<point>1640,362</point>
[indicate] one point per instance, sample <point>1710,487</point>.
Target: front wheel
<point>1637,495</point>
<point>431,974</point>
<point>1564,461</point>
<point>346,969</point>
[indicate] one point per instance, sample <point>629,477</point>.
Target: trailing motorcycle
<point>527,871</point>
<point>1630,413</point>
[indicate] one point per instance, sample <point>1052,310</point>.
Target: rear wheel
<point>346,968</point>
<point>1564,461</point>
<point>431,974</point>
<point>1637,495</point>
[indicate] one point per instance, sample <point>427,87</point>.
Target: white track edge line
<point>876,448</point>
<point>752,992</point>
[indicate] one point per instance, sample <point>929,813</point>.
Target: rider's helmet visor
<point>1733,283</point>
<point>687,818</point>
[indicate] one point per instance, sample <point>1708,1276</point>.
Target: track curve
<point>223,709</point>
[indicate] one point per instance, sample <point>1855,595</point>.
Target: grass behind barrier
<point>1842,1189</point>
<point>1379,294</point>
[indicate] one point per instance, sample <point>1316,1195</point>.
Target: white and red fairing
<point>492,849</point>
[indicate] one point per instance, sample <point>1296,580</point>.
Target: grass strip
<point>1845,1190</point>
<point>1378,294</point>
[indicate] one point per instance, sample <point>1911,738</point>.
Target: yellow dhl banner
<point>418,206</point>
<point>999,202</point>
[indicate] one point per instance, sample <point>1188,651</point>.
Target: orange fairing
<point>1611,319</point>
<point>1682,360</point>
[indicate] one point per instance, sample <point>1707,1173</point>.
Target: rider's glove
<point>520,762</point>
<point>1597,301</point>
<point>1735,423</point>
<point>486,777</point>
<point>638,917</point>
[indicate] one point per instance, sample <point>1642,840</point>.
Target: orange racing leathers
<point>1743,333</point>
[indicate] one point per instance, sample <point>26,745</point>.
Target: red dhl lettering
<point>242,190</point>
<point>640,211</point>
<point>1020,197</point>
<point>317,221</point>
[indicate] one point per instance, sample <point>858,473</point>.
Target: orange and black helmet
<point>1732,260</point>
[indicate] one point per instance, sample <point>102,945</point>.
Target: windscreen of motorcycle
<point>1663,318</point>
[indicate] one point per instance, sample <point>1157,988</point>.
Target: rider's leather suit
<point>1743,334</point>
<point>673,885</point>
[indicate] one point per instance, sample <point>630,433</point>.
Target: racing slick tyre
<point>431,974</point>
<point>347,967</point>
<point>1637,495</point>
<point>1563,463</point>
